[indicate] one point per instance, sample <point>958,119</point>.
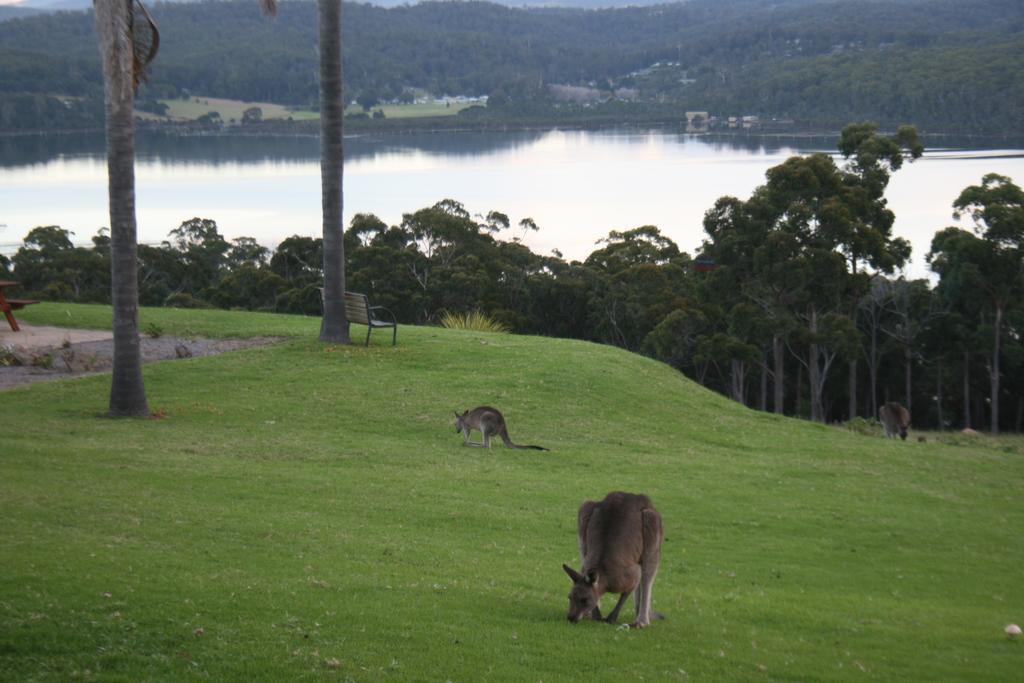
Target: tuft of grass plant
<point>475,321</point>
<point>306,511</point>
<point>865,426</point>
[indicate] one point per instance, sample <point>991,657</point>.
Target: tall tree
<point>992,263</point>
<point>334,327</point>
<point>862,225</point>
<point>128,42</point>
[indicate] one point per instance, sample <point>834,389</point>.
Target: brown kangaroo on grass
<point>620,547</point>
<point>895,418</point>
<point>489,422</point>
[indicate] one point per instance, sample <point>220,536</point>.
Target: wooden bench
<point>358,310</point>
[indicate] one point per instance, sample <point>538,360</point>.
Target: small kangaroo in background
<point>895,418</point>
<point>488,421</point>
<point>620,547</point>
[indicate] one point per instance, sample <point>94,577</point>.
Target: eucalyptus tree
<point>911,308</point>
<point>334,327</point>
<point>990,263</point>
<point>870,316</point>
<point>800,244</point>
<point>861,224</point>
<point>640,276</point>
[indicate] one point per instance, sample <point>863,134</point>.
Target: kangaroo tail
<point>508,441</point>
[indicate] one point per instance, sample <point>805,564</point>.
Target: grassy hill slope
<point>304,511</point>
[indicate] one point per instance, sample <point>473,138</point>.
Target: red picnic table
<point>8,305</point>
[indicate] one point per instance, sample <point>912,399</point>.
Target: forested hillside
<point>942,64</point>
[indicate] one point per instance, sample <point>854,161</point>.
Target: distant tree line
<point>947,64</point>
<point>792,304</point>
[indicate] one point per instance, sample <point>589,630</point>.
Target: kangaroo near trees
<point>895,419</point>
<point>620,548</point>
<point>489,422</point>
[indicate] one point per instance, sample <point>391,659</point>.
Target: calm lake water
<point>577,186</point>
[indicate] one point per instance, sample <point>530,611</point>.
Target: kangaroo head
<point>583,597</point>
<point>458,421</point>
<point>903,432</point>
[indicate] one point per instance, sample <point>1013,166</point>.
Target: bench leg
<point>369,329</point>
<point>394,335</point>
<point>10,319</point>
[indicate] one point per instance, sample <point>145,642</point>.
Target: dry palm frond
<point>145,41</point>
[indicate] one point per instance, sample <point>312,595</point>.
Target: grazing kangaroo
<point>895,418</point>
<point>620,547</point>
<point>488,421</point>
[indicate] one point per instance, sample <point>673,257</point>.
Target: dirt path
<point>39,353</point>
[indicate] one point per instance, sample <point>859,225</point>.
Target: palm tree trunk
<point>127,392</point>
<point>334,327</point>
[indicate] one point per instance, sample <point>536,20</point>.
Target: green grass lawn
<point>306,511</point>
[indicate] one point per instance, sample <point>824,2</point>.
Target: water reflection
<point>33,150</point>
<point>576,185</point>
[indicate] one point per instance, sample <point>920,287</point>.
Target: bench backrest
<point>357,308</point>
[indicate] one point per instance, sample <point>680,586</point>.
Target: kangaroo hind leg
<point>653,533</point>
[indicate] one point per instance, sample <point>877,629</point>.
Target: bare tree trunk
<point>814,382</point>
<point>873,370</point>
<point>334,327</point>
<point>967,390</point>
<point>908,358</point>
<point>853,389</point>
<point>994,368</point>
<point>778,376</point>
<point>113,26</point>
<point>799,389</point>
<point>763,400</point>
<point>938,393</point>
<point>738,380</point>
<point>702,373</point>
<point>814,374</point>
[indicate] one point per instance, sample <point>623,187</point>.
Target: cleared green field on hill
<point>232,110</point>
<point>306,511</point>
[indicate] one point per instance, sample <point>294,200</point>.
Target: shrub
<point>868,426</point>
<point>474,320</point>
<point>184,300</point>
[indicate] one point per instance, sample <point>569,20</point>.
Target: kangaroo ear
<point>573,574</point>
<point>591,577</point>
